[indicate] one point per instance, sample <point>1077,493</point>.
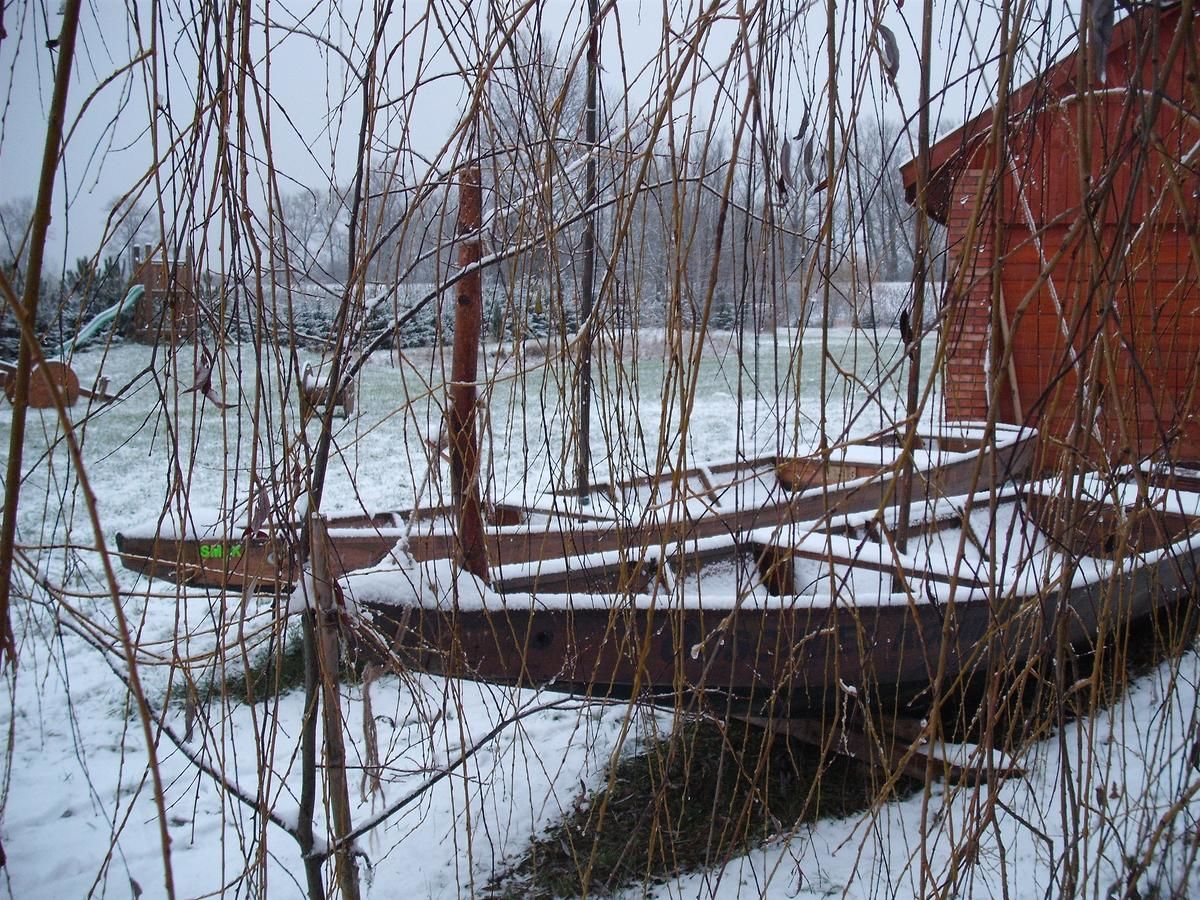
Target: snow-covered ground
<point>1102,797</point>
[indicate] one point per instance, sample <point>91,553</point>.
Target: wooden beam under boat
<point>721,499</point>
<point>800,620</point>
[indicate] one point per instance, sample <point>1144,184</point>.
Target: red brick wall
<point>1099,268</point>
<point>968,313</point>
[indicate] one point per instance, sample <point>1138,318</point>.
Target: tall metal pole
<point>584,449</point>
<point>461,418</point>
<point>919,279</point>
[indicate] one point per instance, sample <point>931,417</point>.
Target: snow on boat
<point>705,501</point>
<point>796,620</point>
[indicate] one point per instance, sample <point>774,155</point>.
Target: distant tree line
<point>664,268</point>
<point>695,231</point>
<point>691,230</point>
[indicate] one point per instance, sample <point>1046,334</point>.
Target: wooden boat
<point>798,620</point>
<point>772,620</point>
<point>705,501</point>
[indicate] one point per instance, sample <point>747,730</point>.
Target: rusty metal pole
<point>460,418</point>
<point>584,436</point>
<point>920,280</point>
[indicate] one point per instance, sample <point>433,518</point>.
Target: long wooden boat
<point>801,619</point>
<point>706,501</point>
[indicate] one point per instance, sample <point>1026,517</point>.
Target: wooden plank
<point>775,565</point>
<point>899,745</point>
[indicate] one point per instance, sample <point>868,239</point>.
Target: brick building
<point>1073,297</point>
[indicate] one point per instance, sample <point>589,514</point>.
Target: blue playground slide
<point>102,320</point>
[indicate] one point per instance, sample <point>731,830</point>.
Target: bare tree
<point>15,217</point>
<point>130,222</point>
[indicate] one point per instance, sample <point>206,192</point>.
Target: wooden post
<point>322,676</point>
<point>460,418</point>
<point>313,870</point>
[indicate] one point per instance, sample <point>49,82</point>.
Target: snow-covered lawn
<point>1102,797</point>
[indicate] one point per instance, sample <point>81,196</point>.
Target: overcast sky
<point>314,115</point>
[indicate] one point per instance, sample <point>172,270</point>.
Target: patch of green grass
<point>693,800</point>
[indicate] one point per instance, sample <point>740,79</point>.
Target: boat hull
<point>781,663</point>
<point>789,657</point>
<point>808,489</point>
<point>263,562</point>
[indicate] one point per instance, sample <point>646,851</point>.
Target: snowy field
<point>1108,801</point>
